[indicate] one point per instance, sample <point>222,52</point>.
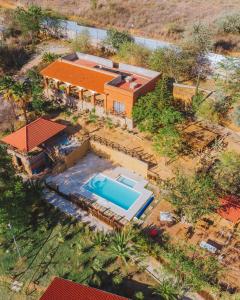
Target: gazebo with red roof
<point>24,143</point>
<point>62,289</point>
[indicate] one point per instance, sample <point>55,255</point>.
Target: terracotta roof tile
<point>33,134</point>
<point>230,208</point>
<point>77,75</point>
<point>62,289</point>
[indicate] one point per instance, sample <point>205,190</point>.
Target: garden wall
<point>77,154</point>
<point>121,158</point>
<point>186,92</point>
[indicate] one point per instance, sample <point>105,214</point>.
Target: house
<point>30,146</point>
<point>62,289</point>
<point>88,82</point>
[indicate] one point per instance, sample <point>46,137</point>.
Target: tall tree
<point>193,196</point>
<point>30,21</point>
<point>154,110</point>
<point>6,88</point>
<point>227,172</point>
<point>22,96</point>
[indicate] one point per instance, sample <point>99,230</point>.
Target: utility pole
<point>14,239</point>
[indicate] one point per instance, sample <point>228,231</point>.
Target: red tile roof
<point>67,72</point>
<point>62,289</point>
<point>230,208</point>
<point>33,134</point>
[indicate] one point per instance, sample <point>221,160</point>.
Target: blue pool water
<point>112,191</point>
<point>127,181</point>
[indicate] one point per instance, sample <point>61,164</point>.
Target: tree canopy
<point>193,196</point>
<point>30,20</point>
<point>227,172</point>
<point>154,110</point>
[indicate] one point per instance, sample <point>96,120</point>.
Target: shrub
<point>207,110</point>
<point>230,24</point>
<point>49,57</point>
<point>82,42</point>
<point>133,54</point>
<point>116,38</point>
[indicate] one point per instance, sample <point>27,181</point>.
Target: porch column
<point>80,93</point>
<point>46,81</point>
<point>105,103</point>
<point>93,98</point>
<point>57,84</point>
<point>68,89</point>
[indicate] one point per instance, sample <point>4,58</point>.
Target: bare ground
<point>167,19</point>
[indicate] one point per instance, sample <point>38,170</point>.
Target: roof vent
<point>133,85</point>
<point>129,79</point>
<point>100,66</point>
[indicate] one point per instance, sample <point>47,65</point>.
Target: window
<point>118,107</point>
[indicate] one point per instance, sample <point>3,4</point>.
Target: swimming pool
<point>127,181</point>
<point>112,191</point>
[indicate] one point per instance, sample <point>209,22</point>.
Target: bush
<point>230,24</point>
<point>82,42</point>
<point>49,57</point>
<point>207,110</point>
<point>116,38</point>
<point>133,54</point>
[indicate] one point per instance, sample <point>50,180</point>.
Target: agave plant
<point>167,290</point>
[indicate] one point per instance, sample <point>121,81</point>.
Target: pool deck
<point>73,179</point>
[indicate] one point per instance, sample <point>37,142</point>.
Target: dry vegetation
<point>166,18</point>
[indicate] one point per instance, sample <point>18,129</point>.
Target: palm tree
<point>22,96</point>
<point>121,246</point>
<point>6,88</point>
<point>167,290</point>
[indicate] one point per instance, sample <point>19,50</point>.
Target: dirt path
<point>7,4</point>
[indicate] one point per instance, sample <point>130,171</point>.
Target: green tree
<point>154,110</point>
<point>133,54</point>
<point>121,246</point>
<point>6,88</point>
<point>193,196</point>
<point>30,21</point>
<point>13,195</point>
<point>22,97</point>
<point>167,290</point>
<point>168,141</point>
<point>116,38</point>
<point>227,172</point>
<point>171,62</point>
<point>82,42</point>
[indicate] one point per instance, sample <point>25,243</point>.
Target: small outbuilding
<point>30,146</point>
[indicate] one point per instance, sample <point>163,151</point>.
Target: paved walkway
<point>71,209</point>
